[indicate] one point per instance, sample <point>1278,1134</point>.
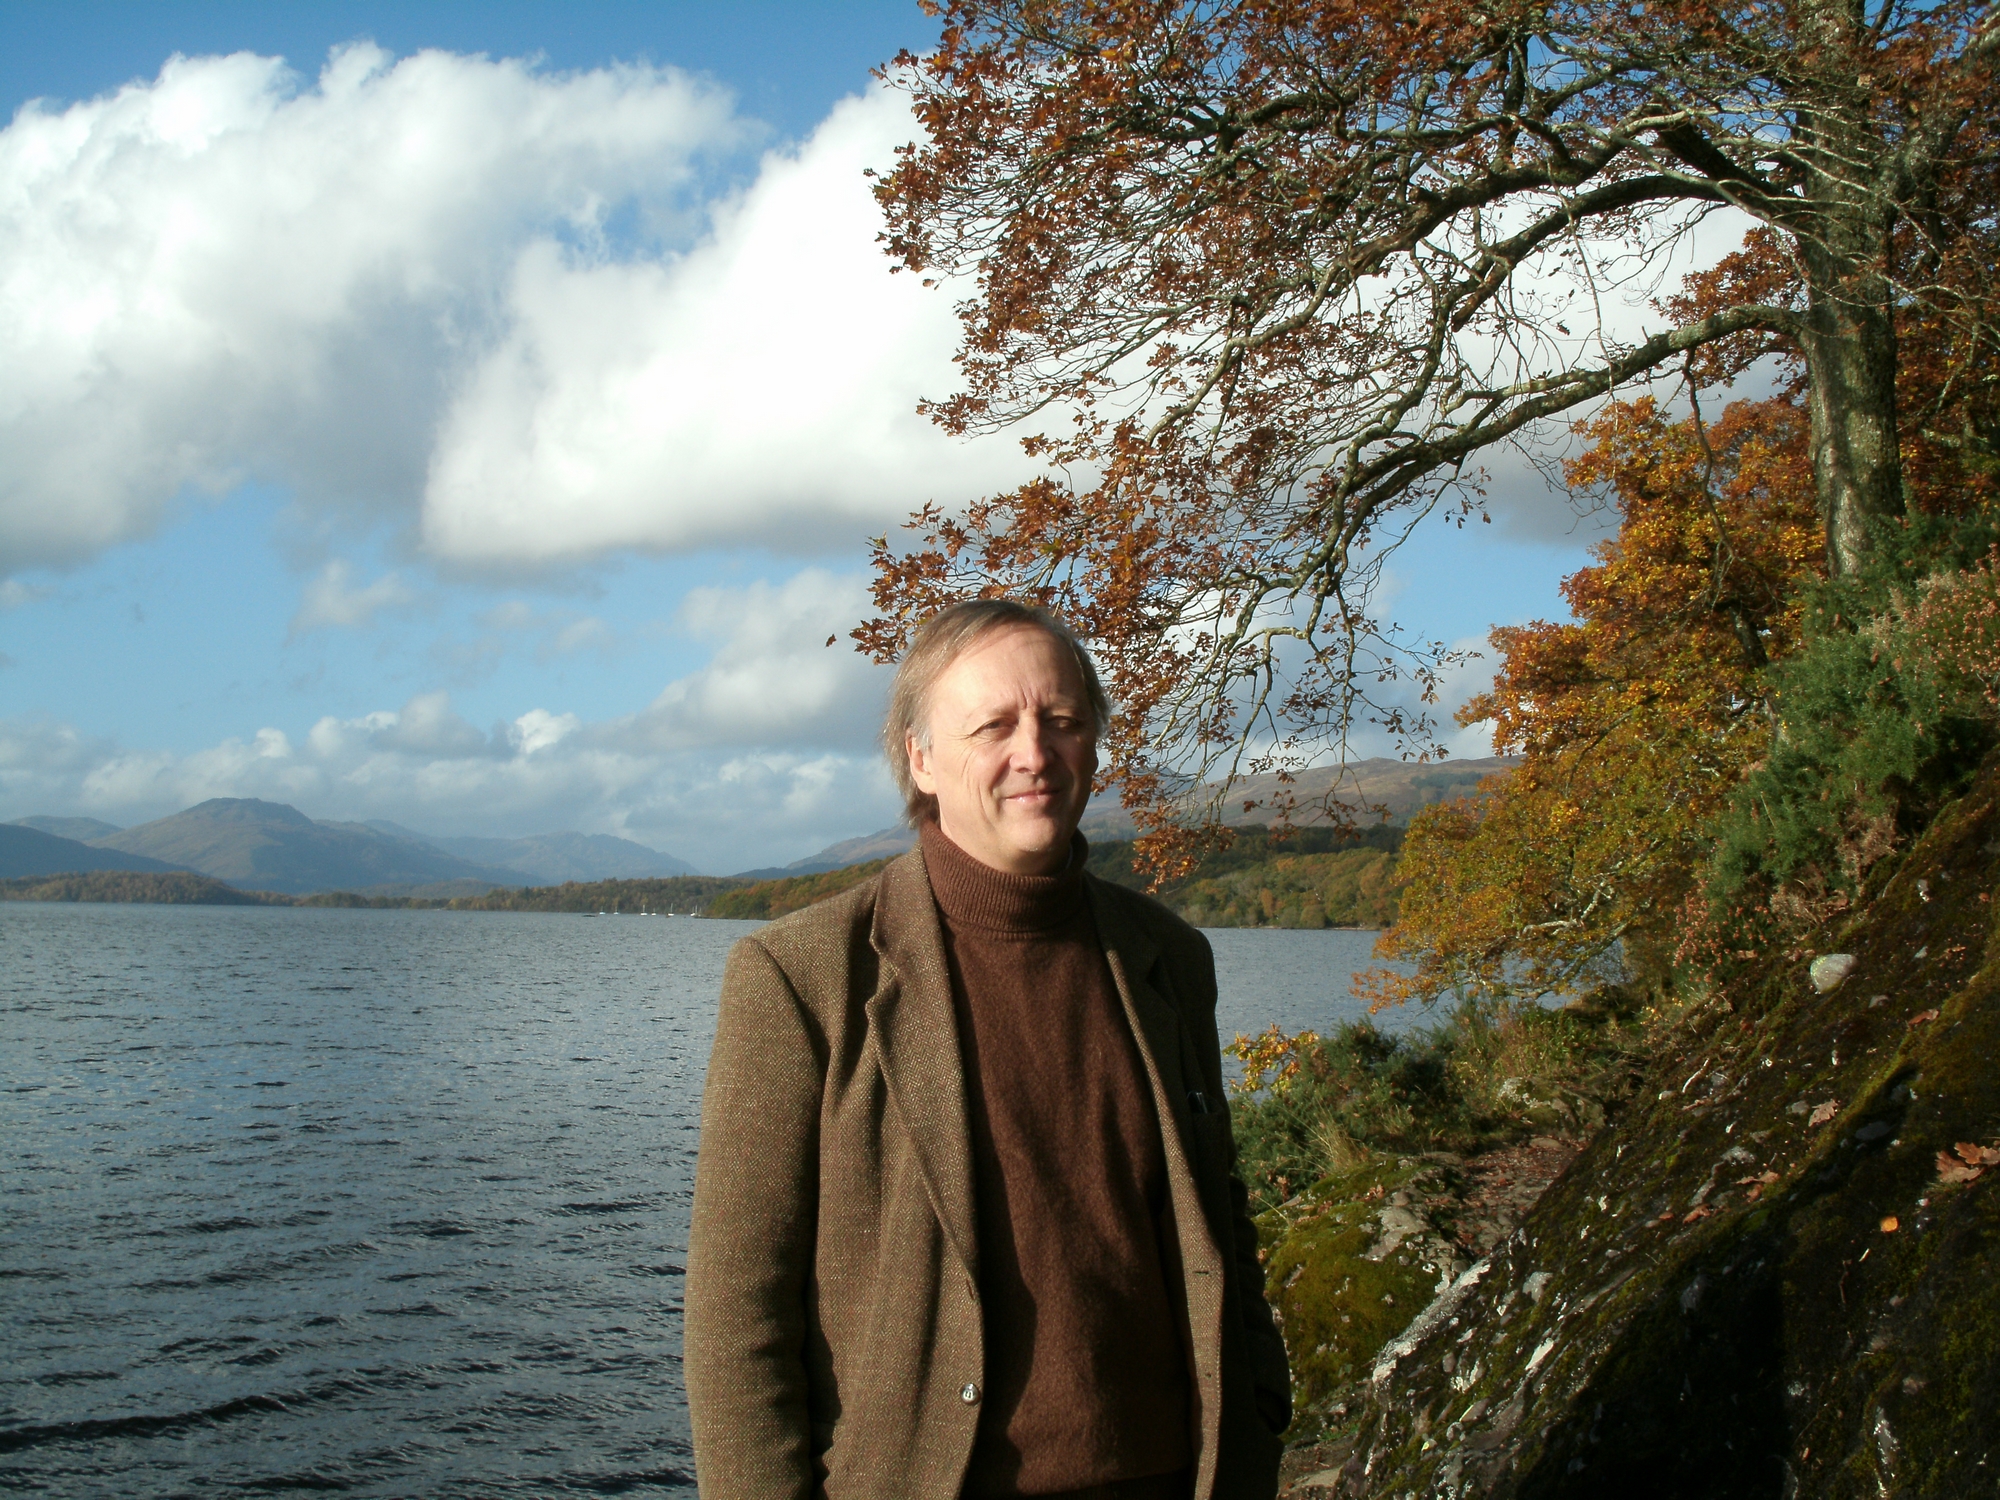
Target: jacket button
<point>968,1393</point>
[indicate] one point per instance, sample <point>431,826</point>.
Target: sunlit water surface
<point>382,1203</point>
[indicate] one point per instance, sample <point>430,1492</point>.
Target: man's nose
<point>1030,750</point>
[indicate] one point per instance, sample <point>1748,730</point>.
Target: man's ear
<point>921,771</point>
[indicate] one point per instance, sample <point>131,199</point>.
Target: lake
<point>377,1202</point>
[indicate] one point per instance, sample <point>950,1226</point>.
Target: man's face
<point>1013,748</point>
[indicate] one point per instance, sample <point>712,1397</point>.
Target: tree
<point>1268,279</point>
<point>1635,721</point>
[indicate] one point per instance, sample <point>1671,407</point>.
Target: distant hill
<point>270,846</point>
<point>552,858</point>
<point>26,850</point>
<point>83,830</point>
<point>766,899</point>
<point>172,888</point>
<point>1401,787</point>
<point>886,844</point>
<point>1317,877</point>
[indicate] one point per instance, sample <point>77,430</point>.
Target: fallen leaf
<point>1768,1178</point>
<point>1702,1212</point>
<point>1754,1194</point>
<point>1890,1224</point>
<point>1978,1156</point>
<point>1951,1169</point>
<point>1824,1112</point>
<point>1922,1016</point>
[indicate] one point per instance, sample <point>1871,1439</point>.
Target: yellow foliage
<point>1635,720</point>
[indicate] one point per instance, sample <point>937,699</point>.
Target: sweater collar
<point>971,893</point>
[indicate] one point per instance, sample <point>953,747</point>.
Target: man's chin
<point>1041,837</point>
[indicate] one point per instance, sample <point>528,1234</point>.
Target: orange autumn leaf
<point>1952,1169</point>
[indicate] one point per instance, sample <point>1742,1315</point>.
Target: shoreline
<point>1347,889</point>
<point>358,901</point>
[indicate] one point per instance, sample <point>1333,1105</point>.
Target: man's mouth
<point>1034,797</point>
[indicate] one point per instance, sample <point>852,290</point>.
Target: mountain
<point>857,851</point>
<point>27,850</point>
<point>1400,786</point>
<point>83,830</point>
<point>270,846</point>
<point>551,858</point>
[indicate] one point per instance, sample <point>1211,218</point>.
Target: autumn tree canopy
<point>1634,720</point>
<point>1264,281</point>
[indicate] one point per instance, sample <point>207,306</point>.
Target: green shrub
<point>1880,718</point>
<point>1312,1105</point>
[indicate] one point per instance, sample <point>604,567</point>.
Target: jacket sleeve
<point>1267,1345</point>
<point>750,1243</point>
<point>1272,1369</point>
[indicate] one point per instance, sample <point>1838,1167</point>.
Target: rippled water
<point>385,1203</point>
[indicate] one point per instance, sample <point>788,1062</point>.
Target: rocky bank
<point>1772,1271</point>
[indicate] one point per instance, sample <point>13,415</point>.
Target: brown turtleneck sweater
<point>1086,1378</point>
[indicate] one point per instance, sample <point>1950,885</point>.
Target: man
<point>965,1215</point>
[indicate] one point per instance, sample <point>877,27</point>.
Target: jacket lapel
<point>1156,1026</point>
<point>916,1037</point>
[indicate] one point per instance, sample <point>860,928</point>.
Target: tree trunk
<point>1850,355</point>
<point>1843,238</point>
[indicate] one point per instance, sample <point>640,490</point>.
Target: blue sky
<point>485,437</point>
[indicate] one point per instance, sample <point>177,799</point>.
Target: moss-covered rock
<point>1349,1263</point>
<point>1762,1278</point>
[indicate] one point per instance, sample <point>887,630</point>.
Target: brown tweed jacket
<point>834,1338</point>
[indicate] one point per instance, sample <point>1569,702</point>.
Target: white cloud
<point>761,387</point>
<point>538,730</point>
<point>218,274</point>
<point>560,632</point>
<point>394,292</point>
<point>331,599</point>
<point>773,680</point>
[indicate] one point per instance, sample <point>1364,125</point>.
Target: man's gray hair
<point>942,640</point>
